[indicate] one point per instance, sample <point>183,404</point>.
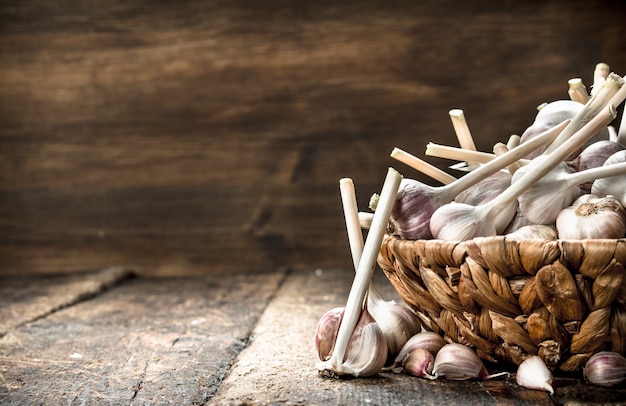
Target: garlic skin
<point>367,351</point>
<point>397,322</point>
<point>594,156</point>
<point>420,363</point>
<point>326,332</point>
<point>458,362</point>
<point>605,368</point>
<point>410,217</point>
<point>542,202</point>
<point>533,232</point>
<point>533,373</point>
<point>614,185</point>
<point>426,340</point>
<point>591,216</point>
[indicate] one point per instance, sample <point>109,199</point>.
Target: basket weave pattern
<point>562,300</point>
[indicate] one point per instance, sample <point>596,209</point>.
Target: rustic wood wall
<point>210,136</point>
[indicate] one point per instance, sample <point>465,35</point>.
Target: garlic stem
<point>606,95</point>
<point>422,166</point>
<point>591,174</point>
<point>500,149</point>
<point>600,73</point>
<point>559,155</point>
<point>351,214</point>
<point>513,141</point>
<point>500,162</point>
<point>577,90</point>
<point>365,269</point>
<point>463,134</point>
<point>462,222</point>
<point>458,154</point>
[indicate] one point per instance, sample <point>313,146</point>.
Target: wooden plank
<point>27,298</point>
<point>279,365</point>
<point>148,341</point>
<point>175,136</point>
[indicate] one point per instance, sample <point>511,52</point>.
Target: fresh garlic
<point>416,202</point>
<point>533,231</point>
<point>615,185</point>
<point>397,321</point>
<point>605,368</point>
<point>427,340</point>
<point>591,216</point>
<point>420,363</point>
<point>461,222</point>
<point>366,352</point>
<point>458,362</point>
<point>326,332</point>
<point>533,373</point>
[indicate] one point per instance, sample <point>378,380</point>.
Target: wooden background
<point>210,136</point>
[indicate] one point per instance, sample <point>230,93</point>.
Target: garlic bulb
<point>591,216</point>
<point>397,322</point>
<point>605,368</point>
<point>427,340</point>
<point>419,363</point>
<point>533,373</point>
<point>416,202</point>
<point>533,231</point>
<point>542,201</point>
<point>458,362</point>
<point>366,352</point>
<point>461,222</point>
<point>615,185</point>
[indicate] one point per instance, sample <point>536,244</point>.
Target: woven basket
<point>562,300</point>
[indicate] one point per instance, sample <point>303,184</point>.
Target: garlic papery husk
<point>326,332</point>
<point>458,362</point>
<point>605,368</point>
<point>416,202</point>
<point>420,363</point>
<point>533,232</point>
<point>542,202</point>
<point>533,373</point>
<point>461,222</point>
<point>615,185</point>
<point>427,340</point>
<point>397,322</point>
<point>591,216</point>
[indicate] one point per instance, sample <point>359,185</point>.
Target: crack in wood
<point>62,297</point>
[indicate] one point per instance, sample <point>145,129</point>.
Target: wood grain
<point>212,135</point>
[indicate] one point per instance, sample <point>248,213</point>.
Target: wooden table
<point>111,337</point>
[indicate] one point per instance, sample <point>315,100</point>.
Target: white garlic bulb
<point>533,373</point>
<point>615,185</point>
<point>591,216</point>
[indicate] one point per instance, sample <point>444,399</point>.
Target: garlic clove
<point>397,322</point>
<point>366,353</point>
<point>606,368</point>
<point>458,362</point>
<point>533,373</point>
<point>427,340</point>
<point>326,332</point>
<point>420,363</point>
